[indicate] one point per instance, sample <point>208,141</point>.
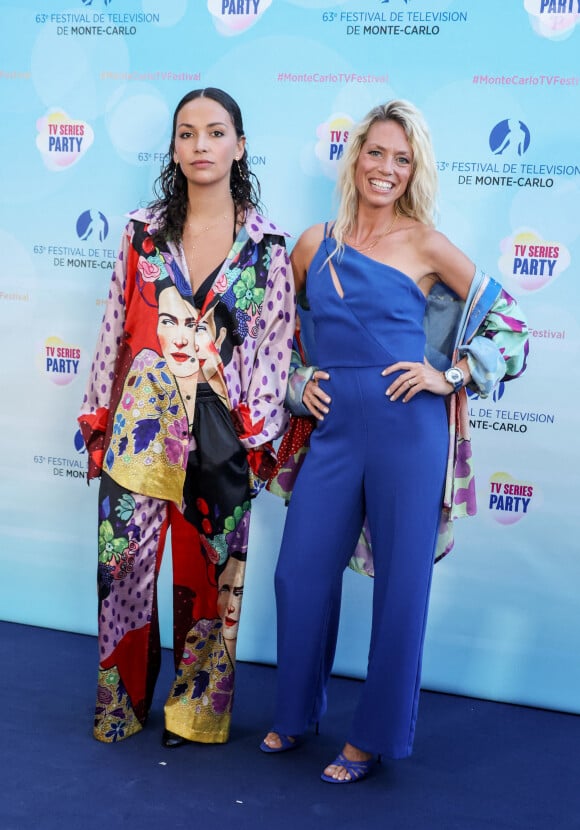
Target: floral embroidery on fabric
<point>248,296</point>
<point>125,507</point>
<point>243,288</point>
<point>114,715</point>
<point>202,693</point>
<point>176,451</point>
<point>220,545</point>
<point>152,424</point>
<point>232,522</point>
<point>237,538</point>
<point>152,263</point>
<point>243,320</point>
<point>116,554</point>
<point>109,547</point>
<point>118,542</point>
<point>223,698</point>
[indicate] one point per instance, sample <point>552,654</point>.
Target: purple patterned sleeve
<point>269,373</point>
<point>101,376</point>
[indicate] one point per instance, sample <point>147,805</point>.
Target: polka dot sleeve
<point>271,360</point>
<point>94,411</point>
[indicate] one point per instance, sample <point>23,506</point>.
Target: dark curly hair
<point>171,186</point>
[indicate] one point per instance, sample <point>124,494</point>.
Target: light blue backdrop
<point>87,92</point>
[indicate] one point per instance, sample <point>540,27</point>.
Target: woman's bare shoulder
<point>446,260</point>
<point>305,250</point>
<point>310,239</point>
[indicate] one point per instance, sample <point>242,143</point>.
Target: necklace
<point>376,239</point>
<point>196,234</point>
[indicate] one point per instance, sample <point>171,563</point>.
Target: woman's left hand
<point>414,378</point>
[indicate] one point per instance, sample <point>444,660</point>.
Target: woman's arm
<point>499,349</point>
<point>303,253</point>
<point>94,413</point>
<point>447,262</point>
<point>439,260</point>
<point>304,396</point>
<point>261,417</point>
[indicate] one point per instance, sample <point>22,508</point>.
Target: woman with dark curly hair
<point>184,398</point>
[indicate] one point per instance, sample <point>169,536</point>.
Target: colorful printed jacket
<point>134,418</point>
<point>489,329</point>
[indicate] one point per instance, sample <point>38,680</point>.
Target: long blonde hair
<point>418,201</point>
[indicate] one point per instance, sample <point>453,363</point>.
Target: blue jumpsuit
<point>369,456</point>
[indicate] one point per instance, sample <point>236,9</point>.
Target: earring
<point>240,173</point>
<point>174,176</point>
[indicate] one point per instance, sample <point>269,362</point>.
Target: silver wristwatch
<point>455,377</point>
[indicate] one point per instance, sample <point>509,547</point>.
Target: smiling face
<point>176,333</point>
<point>385,164</point>
<point>229,601</point>
<point>206,143</point>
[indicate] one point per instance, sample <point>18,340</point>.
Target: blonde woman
<point>383,398</point>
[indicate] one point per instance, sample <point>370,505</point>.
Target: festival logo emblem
<point>509,500</point>
<point>510,138</point>
<point>530,262</point>
<point>332,137</point>
<point>79,443</point>
<point>92,225</point>
<point>553,19</point>
<point>61,140</point>
<point>60,361</point>
<point>233,17</point>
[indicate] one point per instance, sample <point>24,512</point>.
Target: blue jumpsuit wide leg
<point>403,492</point>
<point>366,457</point>
<point>369,456</point>
<point>324,521</point>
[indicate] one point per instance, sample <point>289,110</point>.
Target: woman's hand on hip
<point>414,378</point>
<point>315,399</point>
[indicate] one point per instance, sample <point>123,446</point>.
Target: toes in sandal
<point>356,769</point>
<point>287,742</point>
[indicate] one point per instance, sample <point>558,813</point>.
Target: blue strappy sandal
<point>287,742</point>
<point>356,769</point>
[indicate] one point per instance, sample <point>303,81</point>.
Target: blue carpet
<point>477,765</point>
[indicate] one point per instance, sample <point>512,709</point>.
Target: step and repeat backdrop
<point>87,91</point>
